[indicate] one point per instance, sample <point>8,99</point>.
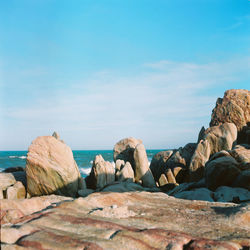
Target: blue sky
<point>99,71</point>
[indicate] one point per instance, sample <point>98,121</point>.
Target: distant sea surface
<point>83,158</point>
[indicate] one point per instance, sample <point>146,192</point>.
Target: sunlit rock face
<point>51,168</point>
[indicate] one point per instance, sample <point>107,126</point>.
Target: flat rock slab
<point>132,220</point>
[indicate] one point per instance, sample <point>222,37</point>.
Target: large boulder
<point>102,173</point>
<point>51,168</point>
<point>142,170</point>
<point>214,139</point>
<point>233,107</point>
<point>221,172</point>
<point>124,150</point>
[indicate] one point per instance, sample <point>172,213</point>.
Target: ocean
<point>83,158</point>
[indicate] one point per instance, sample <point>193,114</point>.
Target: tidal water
<point>83,158</point>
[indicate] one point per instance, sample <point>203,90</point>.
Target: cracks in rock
<point>187,245</point>
<point>95,209</point>
<point>114,234</point>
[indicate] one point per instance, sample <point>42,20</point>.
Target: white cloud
<point>164,104</point>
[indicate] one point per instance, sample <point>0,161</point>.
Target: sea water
<point>83,158</point>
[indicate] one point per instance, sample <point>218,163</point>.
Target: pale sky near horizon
<point>97,71</point>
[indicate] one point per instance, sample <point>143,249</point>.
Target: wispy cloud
<point>165,104</point>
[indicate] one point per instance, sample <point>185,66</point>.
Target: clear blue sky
<point>98,71</point>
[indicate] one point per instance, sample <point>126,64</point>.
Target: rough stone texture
<point>51,168</point>
<point>163,180</point>
<point>215,139</point>
<point>243,180</point>
<point>124,150</point>
<point>142,170</point>
<point>234,107</point>
<point>196,194</point>
<point>102,173</point>
<point>241,153</point>
<point>13,169</point>
<point>130,220</point>
<point>119,165</point>
<point>229,194</point>
<point>6,180</point>
<point>121,187</point>
<point>85,192</point>
<point>198,161</point>
<point>170,176</point>
<point>17,191</point>
<point>158,163</point>
<point>126,173</point>
<point>221,172</point>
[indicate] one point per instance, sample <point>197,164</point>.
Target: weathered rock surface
<point>158,163</point>
<point>128,221</point>
<point>124,150</point>
<point>6,180</point>
<point>125,173</point>
<point>221,172</point>
<point>142,170</point>
<point>241,153</point>
<point>215,139</point>
<point>229,194</point>
<point>51,168</point>
<point>243,180</point>
<point>102,173</point>
<point>17,191</point>
<point>235,108</point>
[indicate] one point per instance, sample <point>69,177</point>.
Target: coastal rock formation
<point>142,170</point>
<point>126,221</point>
<point>233,107</point>
<point>221,172</point>
<point>124,150</point>
<point>158,163</point>
<point>215,139</point>
<point>51,168</point>
<point>102,173</point>
<point>243,180</point>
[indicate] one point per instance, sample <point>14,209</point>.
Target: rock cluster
<point>216,168</point>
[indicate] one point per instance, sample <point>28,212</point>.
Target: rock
<point>1,194</point>
<point>6,180</point>
<point>241,153</point>
<point>235,108</point>
<point>17,191</point>
<point>170,176</point>
<point>121,187</point>
<point>56,135</point>
<point>51,168</point>
<point>163,180</point>
<point>130,220</point>
<point>229,194</point>
<point>243,180</point>
<point>102,173</point>
<point>119,164</point>
<point>124,150</point>
<point>158,163</point>
<point>221,172</point>
<point>126,173</point>
<point>82,184</point>
<point>20,176</point>
<point>85,192</point>
<point>142,170</point>
<point>198,161</point>
<point>13,169</point>
<point>219,154</point>
<point>203,194</point>
<point>215,139</point>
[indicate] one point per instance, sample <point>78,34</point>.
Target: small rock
<point>6,180</point>
<point>16,192</point>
